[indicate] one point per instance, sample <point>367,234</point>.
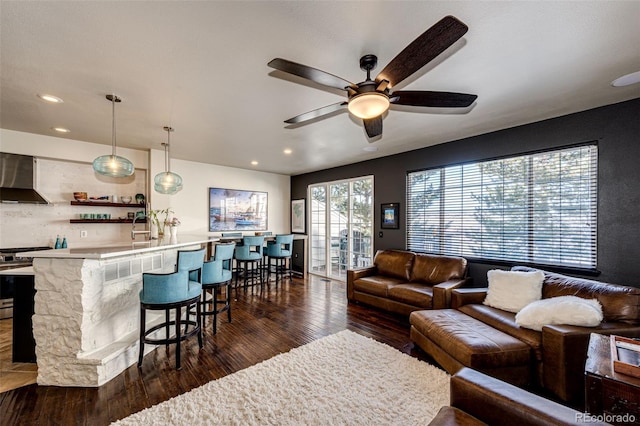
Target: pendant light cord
<point>166,153</point>
<point>113,125</point>
<point>167,147</point>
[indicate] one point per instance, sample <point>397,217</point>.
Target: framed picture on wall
<point>298,216</point>
<point>390,216</point>
<point>237,210</point>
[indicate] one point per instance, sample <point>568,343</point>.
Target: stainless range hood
<point>17,179</point>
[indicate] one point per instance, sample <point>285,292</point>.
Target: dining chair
<point>167,291</point>
<point>216,274</point>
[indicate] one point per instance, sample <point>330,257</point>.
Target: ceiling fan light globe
<point>368,105</point>
<point>113,165</point>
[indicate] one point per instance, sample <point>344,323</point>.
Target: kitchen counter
<point>86,315</point>
<point>121,249</point>
<point>25,270</point>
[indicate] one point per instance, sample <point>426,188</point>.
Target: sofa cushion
<point>570,310</point>
<point>506,323</point>
<point>434,269</point>
<point>513,290</point>
<point>471,342</point>
<point>377,285</point>
<point>417,295</point>
<point>394,263</point>
<point>619,303</point>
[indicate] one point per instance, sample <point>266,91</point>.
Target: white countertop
<point>120,248</point>
<point>25,270</point>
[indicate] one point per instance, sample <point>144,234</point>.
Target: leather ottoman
<point>456,340</point>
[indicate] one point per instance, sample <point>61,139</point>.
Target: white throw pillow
<point>513,290</point>
<point>569,310</point>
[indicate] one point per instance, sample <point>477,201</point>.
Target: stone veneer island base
<point>87,309</point>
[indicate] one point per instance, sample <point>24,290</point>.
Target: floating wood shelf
<point>107,221</point>
<point>106,204</point>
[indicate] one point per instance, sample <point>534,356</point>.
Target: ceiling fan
<point>370,99</point>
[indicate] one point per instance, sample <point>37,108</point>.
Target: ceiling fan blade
<point>422,50</point>
<point>316,113</point>
<point>309,73</point>
<point>432,99</point>
<point>373,126</point>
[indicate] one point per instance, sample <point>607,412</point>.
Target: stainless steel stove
<point>9,260</point>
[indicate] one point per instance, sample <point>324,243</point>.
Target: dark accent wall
<point>615,127</point>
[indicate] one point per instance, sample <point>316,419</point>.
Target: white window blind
<point>539,208</point>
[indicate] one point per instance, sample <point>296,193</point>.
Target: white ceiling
<point>201,67</point>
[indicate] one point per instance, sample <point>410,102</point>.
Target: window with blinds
<point>538,208</point>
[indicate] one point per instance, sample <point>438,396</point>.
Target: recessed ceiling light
<point>287,151</point>
<point>254,163</point>
<point>370,148</point>
<point>61,129</point>
<point>50,98</point>
<point>627,80</point>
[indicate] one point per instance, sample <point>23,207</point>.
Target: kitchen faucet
<point>133,227</point>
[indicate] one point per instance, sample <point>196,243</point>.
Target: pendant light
<point>113,165</point>
<point>167,182</point>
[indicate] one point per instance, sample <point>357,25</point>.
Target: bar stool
<point>165,292</point>
<point>249,252</point>
<point>191,261</point>
<point>280,250</point>
<point>216,274</point>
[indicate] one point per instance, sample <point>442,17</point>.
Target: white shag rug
<point>342,379</point>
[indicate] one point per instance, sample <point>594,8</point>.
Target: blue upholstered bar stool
<point>191,261</point>
<point>216,274</point>
<point>279,250</point>
<point>166,292</point>
<point>249,253</point>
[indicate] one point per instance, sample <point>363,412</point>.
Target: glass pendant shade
<point>113,165</point>
<point>167,182</point>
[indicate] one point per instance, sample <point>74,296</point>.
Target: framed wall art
<point>390,216</point>
<point>237,210</point>
<point>298,216</point>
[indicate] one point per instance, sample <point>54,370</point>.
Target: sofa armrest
<point>442,292</point>
<point>564,355</point>
<point>354,274</point>
<point>467,296</point>
<point>499,403</point>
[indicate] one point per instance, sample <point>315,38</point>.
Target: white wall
<point>64,166</point>
<point>191,205</point>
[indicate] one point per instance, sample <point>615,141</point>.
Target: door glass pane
<point>318,211</point>
<point>339,228</point>
<point>361,222</point>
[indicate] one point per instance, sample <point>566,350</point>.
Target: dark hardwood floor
<point>265,323</point>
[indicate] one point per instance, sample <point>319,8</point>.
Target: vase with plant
<point>173,226</point>
<point>155,217</point>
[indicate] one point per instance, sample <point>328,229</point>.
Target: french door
<point>341,226</point>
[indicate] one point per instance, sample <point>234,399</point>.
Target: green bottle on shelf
<point>64,242</point>
<point>58,244</point>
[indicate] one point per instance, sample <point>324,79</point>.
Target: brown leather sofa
<point>488,339</point>
<point>401,281</point>
<point>478,399</point>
